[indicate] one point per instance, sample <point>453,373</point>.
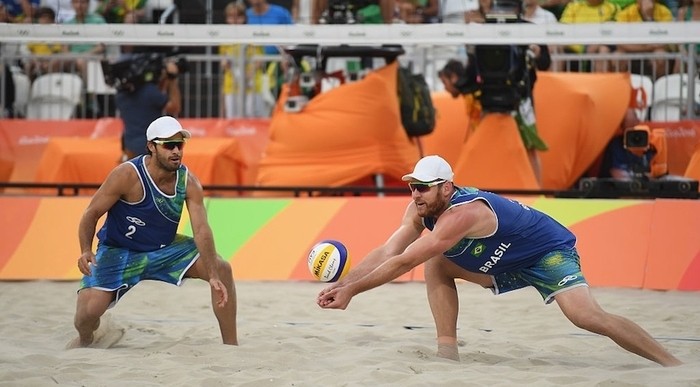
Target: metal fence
<point>67,87</point>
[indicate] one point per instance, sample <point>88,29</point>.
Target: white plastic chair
<point>645,87</point>
<point>22,90</point>
<point>96,80</point>
<point>671,97</point>
<point>55,96</point>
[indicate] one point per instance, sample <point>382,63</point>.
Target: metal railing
<point>202,85</point>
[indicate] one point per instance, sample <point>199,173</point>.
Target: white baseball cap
<point>164,127</point>
<point>430,168</point>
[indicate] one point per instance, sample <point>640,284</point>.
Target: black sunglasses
<point>423,187</point>
<point>171,144</point>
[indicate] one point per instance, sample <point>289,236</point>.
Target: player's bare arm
<point>115,187</point>
<point>409,230</point>
<point>203,235</point>
<point>447,232</point>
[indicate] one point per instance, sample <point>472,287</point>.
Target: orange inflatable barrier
<point>340,137</point>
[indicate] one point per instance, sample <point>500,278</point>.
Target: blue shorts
<point>556,272</point>
<point>119,269</point>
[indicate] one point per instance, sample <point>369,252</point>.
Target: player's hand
<point>171,68</point>
<point>220,289</point>
<point>86,261</point>
<point>326,290</point>
<point>337,298</point>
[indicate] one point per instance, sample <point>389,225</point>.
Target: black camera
<point>500,71</point>
<point>339,12</point>
<point>131,72</point>
<point>636,139</point>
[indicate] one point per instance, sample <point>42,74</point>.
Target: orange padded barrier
<point>213,160</point>
<point>343,135</point>
<point>577,114</point>
<point>350,133</point>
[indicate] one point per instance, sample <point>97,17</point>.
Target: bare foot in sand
<point>105,336</point>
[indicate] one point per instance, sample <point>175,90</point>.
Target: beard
<point>165,163</point>
<point>432,210</point>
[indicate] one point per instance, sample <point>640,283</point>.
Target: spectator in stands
<point>236,77</point>
<point>417,11</point>
<point>450,12</point>
<point>20,11</point>
<point>10,52</point>
<point>533,13</point>
<point>689,11</point>
<point>290,5</point>
<point>83,16</point>
<point>260,12</point>
<point>556,7</point>
<point>454,11</point>
<point>479,15</point>
<point>114,11</point>
<point>64,10</point>
<point>646,11</point>
<point>43,65</point>
<point>591,11</point>
<point>130,18</point>
<point>142,101</point>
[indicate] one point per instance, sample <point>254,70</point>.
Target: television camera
<point>131,72</point>
<point>649,147</point>
<point>650,176</point>
<point>500,74</point>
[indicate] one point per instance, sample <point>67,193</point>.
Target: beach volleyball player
<point>494,242</point>
<point>144,198</point>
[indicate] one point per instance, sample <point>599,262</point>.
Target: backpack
<point>415,104</point>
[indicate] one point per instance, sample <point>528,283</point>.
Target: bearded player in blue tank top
<point>144,198</point>
<point>494,242</point>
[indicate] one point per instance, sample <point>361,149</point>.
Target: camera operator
<point>145,97</point>
<point>499,79</point>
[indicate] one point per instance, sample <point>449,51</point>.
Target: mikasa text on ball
<point>328,261</point>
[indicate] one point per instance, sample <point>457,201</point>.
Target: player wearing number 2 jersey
<point>144,198</point>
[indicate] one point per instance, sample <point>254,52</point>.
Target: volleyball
<point>328,261</point>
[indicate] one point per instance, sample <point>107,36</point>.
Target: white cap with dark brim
<point>165,127</point>
<point>430,168</point>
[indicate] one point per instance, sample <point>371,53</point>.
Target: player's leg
<point>226,315</point>
<point>581,308</point>
<point>440,274</point>
<point>91,305</point>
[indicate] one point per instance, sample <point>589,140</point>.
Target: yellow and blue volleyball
<point>329,261</point>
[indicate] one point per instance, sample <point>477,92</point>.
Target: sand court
<point>385,337</point>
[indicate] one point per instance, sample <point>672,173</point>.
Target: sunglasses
<point>424,187</point>
<point>171,144</point>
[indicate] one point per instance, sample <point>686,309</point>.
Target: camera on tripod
<point>131,72</point>
<point>500,72</point>
<point>649,145</point>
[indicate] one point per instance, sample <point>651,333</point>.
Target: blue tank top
<point>523,235</point>
<point>150,223</point>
